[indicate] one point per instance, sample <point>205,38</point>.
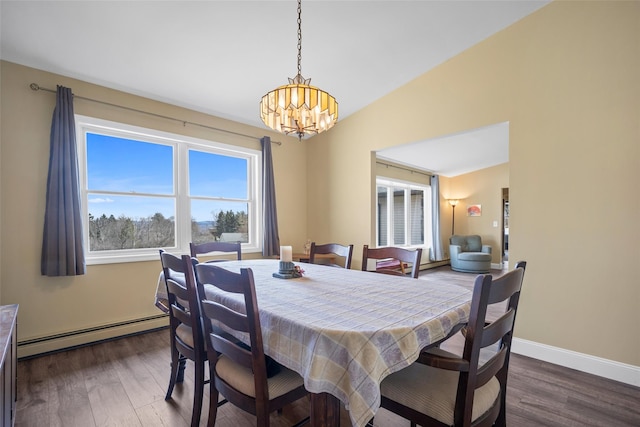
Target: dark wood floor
<point>123,382</point>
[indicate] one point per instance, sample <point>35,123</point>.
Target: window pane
<point>417,217</point>
<point>130,222</point>
<point>382,216</point>
<point>215,175</point>
<point>114,164</point>
<point>223,221</point>
<point>398,216</point>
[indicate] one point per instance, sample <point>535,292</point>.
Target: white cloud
<point>101,200</point>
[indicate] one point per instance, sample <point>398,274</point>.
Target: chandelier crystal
<point>299,108</point>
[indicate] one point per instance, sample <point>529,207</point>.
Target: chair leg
<point>213,402</point>
<point>197,393</point>
<point>501,421</point>
<point>262,420</point>
<point>181,365</point>
<point>175,361</point>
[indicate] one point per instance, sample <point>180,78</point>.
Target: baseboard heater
<point>433,264</point>
<point>90,330</point>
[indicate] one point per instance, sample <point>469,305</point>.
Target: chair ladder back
<point>400,254</point>
<point>182,300</point>
<point>248,322</point>
<point>506,287</point>
<point>481,334</point>
<point>170,262</point>
<point>233,318</point>
<point>212,311</point>
<point>491,367</point>
<point>467,382</point>
<point>496,330</point>
<point>210,247</point>
<point>177,297</point>
<point>189,314</point>
<point>343,251</point>
<point>477,316</point>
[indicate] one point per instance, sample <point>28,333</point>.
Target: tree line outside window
<point>111,233</point>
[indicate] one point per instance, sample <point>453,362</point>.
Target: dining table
<point>345,330</point>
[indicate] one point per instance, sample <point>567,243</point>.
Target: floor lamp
<point>453,203</point>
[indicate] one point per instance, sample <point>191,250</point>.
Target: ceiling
<point>457,154</point>
<point>221,57</point>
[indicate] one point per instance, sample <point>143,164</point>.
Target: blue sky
<point>130,167</point>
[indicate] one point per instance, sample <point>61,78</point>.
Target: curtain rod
<point>403,168</point>
<point>36,87</point>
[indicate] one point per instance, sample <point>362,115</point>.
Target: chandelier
<point>299,108</point>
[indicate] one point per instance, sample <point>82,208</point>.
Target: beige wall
<point>111,293</point>
<point>566,79</point>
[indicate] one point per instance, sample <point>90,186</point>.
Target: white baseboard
<point>610,369</point>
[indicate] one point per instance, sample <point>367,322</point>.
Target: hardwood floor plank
<point>33,392</point>
<point>140,386</point>
<point>162,414</point>
<point>157,357</point>
<point>592,413</point>
<point>109,401</point>
<point>69,401</point>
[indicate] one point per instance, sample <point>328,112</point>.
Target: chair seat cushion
<point>184,333</point>
<point>474,256</point>
<point>432,391</point>
<point>241,378</point>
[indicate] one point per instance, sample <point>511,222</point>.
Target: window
<point>144,189</point>
<point>403,217</point>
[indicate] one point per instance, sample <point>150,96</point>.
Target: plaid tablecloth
<point>344,331</point>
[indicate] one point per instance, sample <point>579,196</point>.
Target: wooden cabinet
<point>8,364</point>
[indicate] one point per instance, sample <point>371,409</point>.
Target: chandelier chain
<point>300,37</point>
<point>297,107</point>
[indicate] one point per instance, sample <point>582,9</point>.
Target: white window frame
<point>407,187</point>
<point>181,145</point>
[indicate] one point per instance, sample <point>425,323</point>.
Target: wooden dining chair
<point>344,251</point>
<point>444,389</point>
<point>392,260</point>
<point>186,335</point>
<point>452,342</point>
<point>239,371</point>
<point>210,247</point>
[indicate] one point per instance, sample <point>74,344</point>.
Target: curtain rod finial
<point>34,86</point>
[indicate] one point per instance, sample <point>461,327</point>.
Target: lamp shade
<point>299,108</point>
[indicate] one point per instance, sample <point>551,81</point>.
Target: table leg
<point>325,410</point>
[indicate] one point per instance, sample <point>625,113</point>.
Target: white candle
<point>286,253</point>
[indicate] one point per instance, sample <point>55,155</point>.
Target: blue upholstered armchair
<point>469,255</point>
